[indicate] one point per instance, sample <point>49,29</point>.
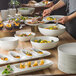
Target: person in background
<point>61,11</point>
<point>70,19</point>
<point>23,1</point>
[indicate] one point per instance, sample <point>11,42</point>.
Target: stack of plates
<point>67,58</point>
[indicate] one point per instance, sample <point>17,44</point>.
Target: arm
<point>58,5</point>
<point>67,18</point>
<point>52,3</point>
<point>72,16</point>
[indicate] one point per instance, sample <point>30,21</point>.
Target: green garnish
<point>23,8</point>
<point>39,41</point>
<point>7,70</point>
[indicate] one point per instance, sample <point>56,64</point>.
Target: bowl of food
<point>44,42</point>
<point>51,29</point>
<point>8,43</point>
<point>26,10</point>
<point>24,36</point>
<point>34,21</point>
<point>53,18</point>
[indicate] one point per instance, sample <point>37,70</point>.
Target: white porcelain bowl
<point>24,38</point>
<point>28,11</point>
<point>8,43</point>
<point>48,32</point>
<point>44,45</point>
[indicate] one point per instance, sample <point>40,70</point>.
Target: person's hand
<point>47,12</point>
<point>63,20</point>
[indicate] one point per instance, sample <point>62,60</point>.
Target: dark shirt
<point>23,1</point>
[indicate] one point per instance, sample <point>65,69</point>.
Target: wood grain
<point>64,38</point>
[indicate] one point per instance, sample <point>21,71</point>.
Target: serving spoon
<point>56,22</point>
<point>40,18</point>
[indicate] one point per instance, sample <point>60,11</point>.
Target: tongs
<point>40,18</point>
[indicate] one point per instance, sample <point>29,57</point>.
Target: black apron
<point>71,27</point>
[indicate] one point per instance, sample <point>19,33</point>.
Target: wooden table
<point>64,38</point>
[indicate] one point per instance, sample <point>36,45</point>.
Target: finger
<point>62,22</point>
<point>60,19</point>
<point>45,14</point>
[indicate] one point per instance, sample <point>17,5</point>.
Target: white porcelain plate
<point>22,55</point>
<point>17,70</point>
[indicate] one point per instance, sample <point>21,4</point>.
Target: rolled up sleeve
<point>55,1</point>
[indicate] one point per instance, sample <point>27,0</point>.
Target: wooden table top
<point>64,38</point>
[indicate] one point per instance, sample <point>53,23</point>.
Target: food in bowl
<point>4,58</point>
<point>28,53</point>
<point>23,8</point>
<point>25,35</point>
<point>9,26</point>
<point>8,69</point>
<point>1,25</point>
<point>22,66</point>
<point>26,10</point>
<point>43,41</point>
<point>22,19</point>
<point>18,57</point>
<point>50,18</point>
<point>45,2</point>
<point>29,64</point>
<point>35,64</point>
<point>38,51</point>
<point>36,22</point>
<point>52,28</point>
<point>42,62</point>
<point>53,31</point>
<point>16,25</point>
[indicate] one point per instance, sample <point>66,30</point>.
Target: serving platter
<point>26,22</point>
<point>17,70</point>
<point>22,56</point>
<point>55,17</point>
<point>41,4</point>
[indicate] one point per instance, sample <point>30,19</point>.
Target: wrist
<point>70,17</point>
<point>52,8</point>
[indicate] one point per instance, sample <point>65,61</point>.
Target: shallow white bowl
<point>44,45</point>
<point>24,38</point>
<point>8,43</point>
<point>67,58</point>
<point>28,11</point>
<point>48,32</point>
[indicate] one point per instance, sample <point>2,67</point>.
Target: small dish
<point>4,59</point>
<point>15,56</point>
<point>44,45</point>
<point>41,52</point>
<point>28,36</point>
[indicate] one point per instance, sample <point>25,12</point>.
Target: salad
<point>7,70</point>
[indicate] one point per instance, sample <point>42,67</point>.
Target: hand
<point>64,20</point>
<point>46,12</point>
